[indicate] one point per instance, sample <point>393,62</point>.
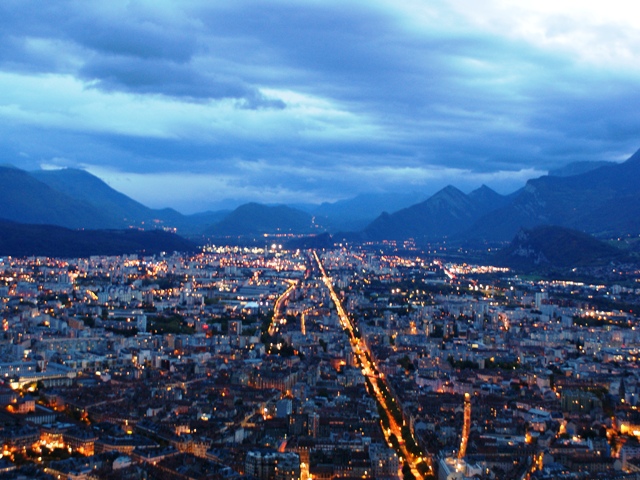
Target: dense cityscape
<point>358,362</point>
<point>319,240</point>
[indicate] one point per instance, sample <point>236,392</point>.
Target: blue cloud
<point>324,98</point>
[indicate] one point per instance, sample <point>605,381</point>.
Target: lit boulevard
<point>466,428</point>
<point>369,370</point>
<point>277,309</point>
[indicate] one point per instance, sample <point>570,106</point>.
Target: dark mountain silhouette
<point>21,240</point>
<point>74,198</point>
<point>255,218</point>
<point>553,246</point>
<point>124,211</point>
<point>83,186</point>
<point>25,199</point>
<point>603,202</point>
<point>487,199</point>
<point>446,213</point>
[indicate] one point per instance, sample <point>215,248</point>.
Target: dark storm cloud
<point>312,98</point>
<point>126,49</point>
<point>156,76</point>
<point>132,37</point>
<point>115,28</point>
<point>427,91</point>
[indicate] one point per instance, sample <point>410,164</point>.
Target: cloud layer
<point>185,104</point>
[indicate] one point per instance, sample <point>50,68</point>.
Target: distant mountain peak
<point>449,190</point>
<point>484,188</point>
<point>70,172</point>
<point>445,213</point>
<point>484,192</point>
<point>255,218</point>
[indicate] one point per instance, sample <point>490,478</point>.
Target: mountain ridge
<point>28,200</point>
<point>124,211</point>
<point>602,201</point>
<point>448,212</point>
<point>573,202</point>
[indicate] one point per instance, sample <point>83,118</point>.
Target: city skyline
<point>185,105</point>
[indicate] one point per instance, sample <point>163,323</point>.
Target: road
<point>369,371</point>
<point>277,307</point>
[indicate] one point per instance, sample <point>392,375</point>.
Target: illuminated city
<point>351,362</point>
<point>319,240</point>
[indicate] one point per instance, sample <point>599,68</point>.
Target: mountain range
<point>25,199</point>
<point>448,212</point>
<point>75,199</point>
<point>603,202</point>
<point>600,198</point>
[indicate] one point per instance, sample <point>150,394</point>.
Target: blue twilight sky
<point>188,103</point>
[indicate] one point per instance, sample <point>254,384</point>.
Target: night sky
<point>185,104</point>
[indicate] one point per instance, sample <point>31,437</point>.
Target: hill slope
<point>255,218</point>
<point>124,211</point>
<point>74,198</point>
<point>552,246</point>
<point>25,199</point>
<point>21,240</point>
